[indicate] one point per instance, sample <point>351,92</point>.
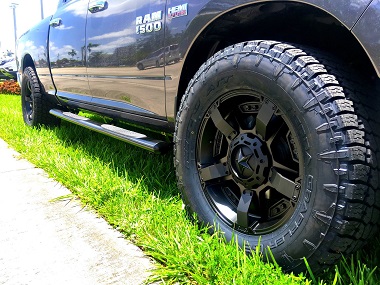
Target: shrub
<point>10,87</point>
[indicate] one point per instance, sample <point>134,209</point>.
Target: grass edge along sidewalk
<point>136,192</point>
<point>50,241</point>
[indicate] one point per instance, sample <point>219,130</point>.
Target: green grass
<point>136,192</point>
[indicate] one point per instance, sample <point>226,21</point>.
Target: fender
<point>37,55</point>
<point>203,18</point>
<point>366,30</point>
<point>346,13</point>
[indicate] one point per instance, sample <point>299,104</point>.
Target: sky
<point>28,13</point>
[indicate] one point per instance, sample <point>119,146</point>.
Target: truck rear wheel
<point>269,148</point>
<point>35,108</point>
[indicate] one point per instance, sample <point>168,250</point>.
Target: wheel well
<point>28,61</point>
<point>296,23</point>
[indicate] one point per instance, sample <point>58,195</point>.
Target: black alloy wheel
<point>28,106</point>
<point>248,162</point>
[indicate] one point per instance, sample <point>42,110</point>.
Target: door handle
<point>98,6</point>
<point>55,22</point>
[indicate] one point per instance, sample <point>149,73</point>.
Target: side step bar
<point>131,137</point>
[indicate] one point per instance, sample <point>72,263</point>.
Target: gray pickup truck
<point>272,108</point>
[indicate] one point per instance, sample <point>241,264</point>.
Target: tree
<point>72,53</point>
<point>90,46</point>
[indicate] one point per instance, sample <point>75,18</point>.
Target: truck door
<point>67,50</point>
<point>125,66</point>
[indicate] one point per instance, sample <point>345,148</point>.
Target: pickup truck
<point>271,108</point>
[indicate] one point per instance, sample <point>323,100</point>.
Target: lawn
<point>136,192</point>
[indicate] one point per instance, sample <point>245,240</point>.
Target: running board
<point>131,137</point>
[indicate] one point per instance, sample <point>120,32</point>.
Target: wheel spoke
<point>28,99</point>
<point>263,117</point>
<point>222,125</point>
<point>214,171</point>
<point>274,134</point>
<point>243,207</point>
<point>284,167</point>
<point>282,184</point>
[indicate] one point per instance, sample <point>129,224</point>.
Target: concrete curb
<point>45,242</point>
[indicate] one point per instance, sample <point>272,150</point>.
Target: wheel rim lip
<point>265,227</point>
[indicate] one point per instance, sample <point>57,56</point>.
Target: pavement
<point>57,242</point>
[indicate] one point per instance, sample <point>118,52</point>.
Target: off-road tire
<point>271,146</point>
<point>35,106</point>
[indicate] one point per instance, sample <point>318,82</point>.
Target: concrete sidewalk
<point>44,242</point>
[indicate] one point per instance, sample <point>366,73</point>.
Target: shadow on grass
<point>154,171</point>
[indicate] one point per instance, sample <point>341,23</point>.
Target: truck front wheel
<point>269,148</point>
<point>35,107</point>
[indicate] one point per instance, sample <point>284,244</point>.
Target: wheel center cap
<point>249,160</point>
<point>242,161</point>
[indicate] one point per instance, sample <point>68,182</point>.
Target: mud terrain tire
<point>270,146</point>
